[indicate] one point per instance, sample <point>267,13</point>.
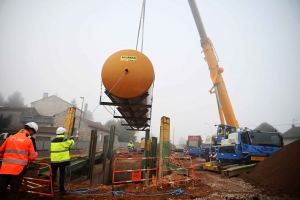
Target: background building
<point>50,113</point>
<point>291,135</point>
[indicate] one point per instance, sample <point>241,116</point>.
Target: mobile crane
<point>231,144</point>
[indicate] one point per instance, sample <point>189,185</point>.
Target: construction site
<point>277,177</point>
<point>234,163</point>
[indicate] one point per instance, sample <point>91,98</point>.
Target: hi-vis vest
<point>17,151</point>
<point>130,145</point>
<point>60,154</point>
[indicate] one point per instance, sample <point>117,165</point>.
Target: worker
<point>185,151</point>
<point>16,153</point>
<point>227,133</point>
<point>130,146</point>
<point>60,156</point>
<point>221,131</point>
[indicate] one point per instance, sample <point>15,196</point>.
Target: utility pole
<point>77,132</point>
<point>173,138</point>
<point>80,112</point>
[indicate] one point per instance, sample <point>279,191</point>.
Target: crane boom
<point>224,105</point>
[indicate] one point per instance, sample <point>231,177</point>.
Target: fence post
<point>92,152</point>
<point>153,154</point>
<point>147,147</point>
<point>105,149</point>
<point>147,154</point>
<point>110,150</point>
<point>164,143</point>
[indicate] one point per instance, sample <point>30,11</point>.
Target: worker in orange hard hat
<point>16,153</point>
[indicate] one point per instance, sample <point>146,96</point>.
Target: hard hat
<point>32,125</point>
<point>60,130</point>
<point>130,140</point>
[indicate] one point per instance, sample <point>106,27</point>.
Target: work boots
<point>63,192</point>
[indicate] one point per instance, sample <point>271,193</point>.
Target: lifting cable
<point>81,125</point>
<point>141,24</point>
<point>140,29</point>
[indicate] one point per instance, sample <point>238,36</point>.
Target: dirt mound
<point>280,173</point>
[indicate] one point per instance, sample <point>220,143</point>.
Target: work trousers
<point>15,182</point>
<point>62,174</point>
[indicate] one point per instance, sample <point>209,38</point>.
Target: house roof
<point>98,125</point>
<point>15,129</point>
<point>15,108</point>
<point>20,109</point>
<point>52,129</point>
<point>52,96</point>
<point>293,132</point>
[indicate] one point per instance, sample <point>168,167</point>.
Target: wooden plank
<point>234,171</point>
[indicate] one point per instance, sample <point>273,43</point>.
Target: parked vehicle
<point>3,137</point>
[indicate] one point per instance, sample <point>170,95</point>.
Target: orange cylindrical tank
<point>127,74</point>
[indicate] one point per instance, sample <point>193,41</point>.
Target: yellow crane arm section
<point>224,104</point>
<point>70,121</point>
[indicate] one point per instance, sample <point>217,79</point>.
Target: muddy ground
<point>276,178</point>
<point>208,185</point>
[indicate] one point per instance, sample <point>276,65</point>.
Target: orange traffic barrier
<point>136,174</point>
<point>40,184</point>
<point>180,164</point>
<point>30,184</point>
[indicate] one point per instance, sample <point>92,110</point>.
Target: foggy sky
<point>59,47</point>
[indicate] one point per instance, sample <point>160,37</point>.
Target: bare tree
<point>266,127</point>
<point>124,135</point>
<point>2,101</point>
<point>74,103</point>
<point>5,121</point>
<point>15,100</point>
<point>89,115</point>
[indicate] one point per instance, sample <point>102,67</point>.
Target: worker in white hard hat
<point>16,152</point>
<point>32,126</point>
<point>60,156</point>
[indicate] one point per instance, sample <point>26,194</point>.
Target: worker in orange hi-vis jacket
<point>16,153</point>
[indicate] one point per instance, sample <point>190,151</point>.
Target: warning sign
<point>128,58</point>
<point>136,175</point>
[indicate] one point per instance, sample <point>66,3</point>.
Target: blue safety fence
<point>120,193</point>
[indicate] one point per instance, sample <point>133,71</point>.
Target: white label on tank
<point>128,58</point>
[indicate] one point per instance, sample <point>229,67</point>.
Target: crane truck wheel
<point>207,158</point>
